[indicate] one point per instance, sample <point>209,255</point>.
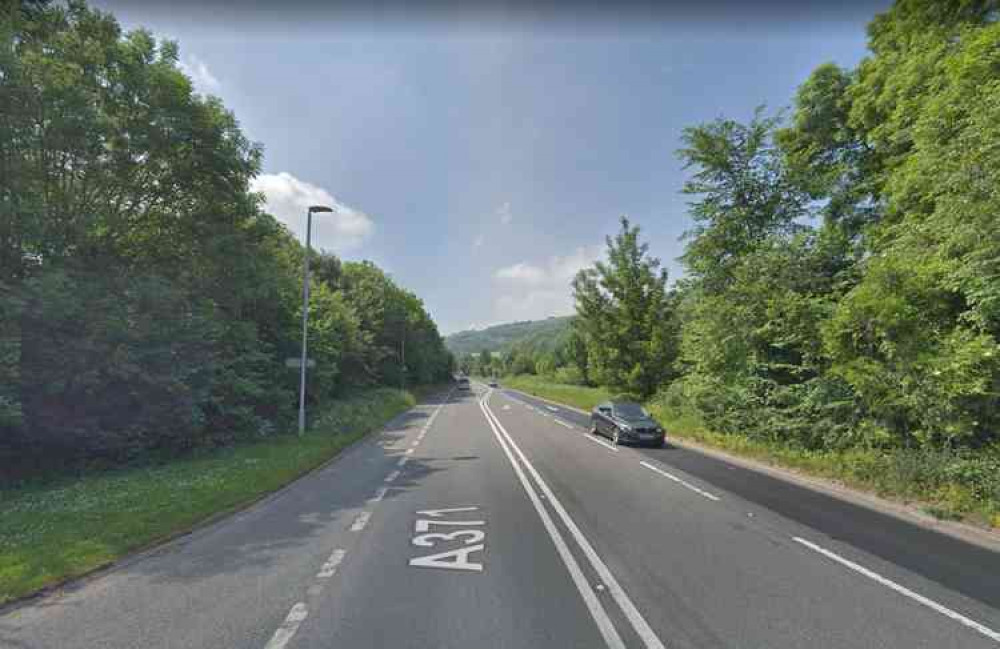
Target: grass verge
<point>57,530</point>
<point>946,485</point>
<point>573,395</point>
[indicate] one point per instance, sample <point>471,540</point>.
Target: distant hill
<point>538,334</point>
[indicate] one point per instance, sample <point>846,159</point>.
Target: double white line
<point>596,608</point>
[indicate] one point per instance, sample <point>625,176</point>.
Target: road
<point>490,519</point>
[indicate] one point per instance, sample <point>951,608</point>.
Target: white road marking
<point>436,513</point>
<point>700,492</point>
<point>415,443</point>
<point>607,445</point>
<point>392,476</point>
<point>331,564</point>
<point>552,408</point>
<point>379,495</point>
<point>409,451</point>
<point>402,461</point>
<point>563,423</point>
<point>642,628</point>
<point>902,590</point>
<point>288,628</point>
<point>604,625</point>
<point>506,406</point>
<point>459,559</point>
<point>360,521</point>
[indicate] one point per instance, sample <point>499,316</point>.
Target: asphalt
<point>555,539</point>
<point>968,569</point>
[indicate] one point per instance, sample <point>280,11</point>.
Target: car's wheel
<point>614,437</point>
<point>593,429</point>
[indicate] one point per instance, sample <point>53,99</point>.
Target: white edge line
<point>288,628</point>
<point>604,624</point>
<point>642,628</point>
<point>700,492</point>
<point>902,590</point>
<point>610,447</point>
<point>563,423</point>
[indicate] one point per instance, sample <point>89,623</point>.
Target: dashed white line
<point>360,521</point>
<point>409,451</point>
<point>700,492</point>
<point>610,447</point>
<point>288,628</point>
<point>392,476</point>
<point>902,590</point>
<point>379,495</point>
<point>415,443</point>
<point>330,567</point>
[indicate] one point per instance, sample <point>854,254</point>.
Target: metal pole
<point>305,325</point>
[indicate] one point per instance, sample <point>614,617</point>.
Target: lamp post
<point>305,315</point>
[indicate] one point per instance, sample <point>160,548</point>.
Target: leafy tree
<point>623,309</point>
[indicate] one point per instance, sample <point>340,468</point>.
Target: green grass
<point>574,395</point>
<point>60,529</point>
<point>945,485</point>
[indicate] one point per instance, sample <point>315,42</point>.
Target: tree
<point>746,193</point>
<point>623,310</point>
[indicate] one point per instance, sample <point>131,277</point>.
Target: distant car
<point>625,421</point>
<point>463,383</point>
<point>494,384</point>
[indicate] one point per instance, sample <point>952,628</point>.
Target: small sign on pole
<point>296,363</point>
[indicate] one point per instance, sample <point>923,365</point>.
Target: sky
<point>480,154</point>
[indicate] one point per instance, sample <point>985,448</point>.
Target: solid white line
<point>563,423</point>
<point>903,590</point>
<point>288,628</point>
<point>604,625</point>
<point>671,476</point>
<point>360,521</point>
<point>331,564</point>
<point>607,445</point>
<point>642,628</point>
<point>379,495</point>
<point>392,476</point>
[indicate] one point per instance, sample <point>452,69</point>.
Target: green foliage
<point>623,313</point>
<point>544,335</point>
<point>878,327</point>
<point>147,300</point>
<point>51,530</point>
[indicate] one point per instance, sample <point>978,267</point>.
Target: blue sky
<point>482,162</point>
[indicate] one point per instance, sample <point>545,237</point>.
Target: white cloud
<point>480,240</point>
<point>530,291</point>
<point>287,198</point>
<point>201,77</point>
<point>504,213</point>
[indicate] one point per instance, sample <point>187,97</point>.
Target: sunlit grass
<point>52,531</point>
<point>921,478</point>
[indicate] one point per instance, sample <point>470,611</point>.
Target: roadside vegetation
<point>52,530</point>
<point>148,300</point>
<point>840,310</point>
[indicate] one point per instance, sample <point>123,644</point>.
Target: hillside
<point>538,334</point>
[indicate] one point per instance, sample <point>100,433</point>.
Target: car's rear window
<point>629,410</point>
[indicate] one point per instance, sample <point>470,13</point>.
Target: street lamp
<point>305,314</point>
